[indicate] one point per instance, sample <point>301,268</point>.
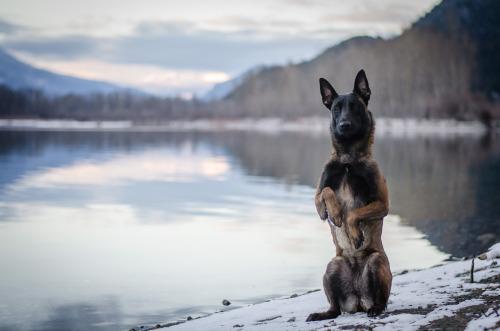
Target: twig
<point>472,271</point>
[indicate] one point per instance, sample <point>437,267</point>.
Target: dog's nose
<point>345,125</point>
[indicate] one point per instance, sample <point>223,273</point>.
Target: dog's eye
<point>336,110</point>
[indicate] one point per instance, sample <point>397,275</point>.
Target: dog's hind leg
<point>339,290</point>
<point>375,285</point>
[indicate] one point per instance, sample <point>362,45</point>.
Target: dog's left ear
<point>361,86</point>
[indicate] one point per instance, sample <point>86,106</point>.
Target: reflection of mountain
<point>445,65</point>
<point>447,188</point>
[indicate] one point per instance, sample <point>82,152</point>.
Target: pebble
<point>292,319</point>
<point>226,302</point>
<point>189,318</point>
<point>294,295</point>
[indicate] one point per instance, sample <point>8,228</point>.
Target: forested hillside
<point>445,65</point>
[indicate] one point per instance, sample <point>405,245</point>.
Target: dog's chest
<point>345,194</point>
<point>348,200</point>
<point>354,184</point>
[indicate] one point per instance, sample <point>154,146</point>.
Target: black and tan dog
<point>352,195</point>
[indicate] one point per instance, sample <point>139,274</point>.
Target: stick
<point>472,271</point>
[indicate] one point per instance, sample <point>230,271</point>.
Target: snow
<point>487,321</point>
<point>492,253</point>
<point>394,127</point>
<point>63,124</point>
<point>417,298</point>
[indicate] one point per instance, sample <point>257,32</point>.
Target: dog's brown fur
<point>353,194</point>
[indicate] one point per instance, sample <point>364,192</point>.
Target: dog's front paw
<point>321,209</point>
<point>337,221</point>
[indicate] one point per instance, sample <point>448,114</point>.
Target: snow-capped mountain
<point>19,75</point>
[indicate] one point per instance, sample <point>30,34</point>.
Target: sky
<point>184,47</point>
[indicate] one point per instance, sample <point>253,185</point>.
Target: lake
<point>109,230</point>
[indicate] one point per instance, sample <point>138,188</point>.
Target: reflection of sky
<point>162,230</point>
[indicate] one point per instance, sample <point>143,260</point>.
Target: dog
<point>352,195</point>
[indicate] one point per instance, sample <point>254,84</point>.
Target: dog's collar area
<point>345,159</point>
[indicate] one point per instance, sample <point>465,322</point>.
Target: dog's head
<point>350,118</point>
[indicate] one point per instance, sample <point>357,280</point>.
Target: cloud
<point>7,28</point>
<point>149,78</point>
<point>66,47</point>
<point>180,45</point>
<point>212,50</point>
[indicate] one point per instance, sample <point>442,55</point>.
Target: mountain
<point>19,75</point>
<point>221,90</point>
<point>444,65</point>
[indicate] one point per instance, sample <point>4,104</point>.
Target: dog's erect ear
<point>327,93</point>
<point>361,86</point>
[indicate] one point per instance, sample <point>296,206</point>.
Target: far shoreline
<point>394,127</point>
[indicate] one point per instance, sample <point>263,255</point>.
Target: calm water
<point>109,230</point>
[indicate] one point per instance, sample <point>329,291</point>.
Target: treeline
<point>113,106</point>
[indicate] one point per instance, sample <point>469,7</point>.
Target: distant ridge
<point>19,75</point>
<point>221,90</point>
<point>445,65</point>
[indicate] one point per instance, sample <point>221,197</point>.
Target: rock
<point>226,302</point>
<point>294,295</point>
<point>157,326</point>
<point>189,318</point>
<point>238,325</point>
<point>267,319</point>
<point>404,272</point>
<point>291,319</point>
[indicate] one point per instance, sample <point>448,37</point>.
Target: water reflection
<point>448,188</point>
<point>168,224</point>
<point>82,316</point>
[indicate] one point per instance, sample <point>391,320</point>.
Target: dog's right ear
<point>327,93</point>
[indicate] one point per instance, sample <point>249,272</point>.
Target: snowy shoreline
<point>316,125</point>
<point>440,297</point>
